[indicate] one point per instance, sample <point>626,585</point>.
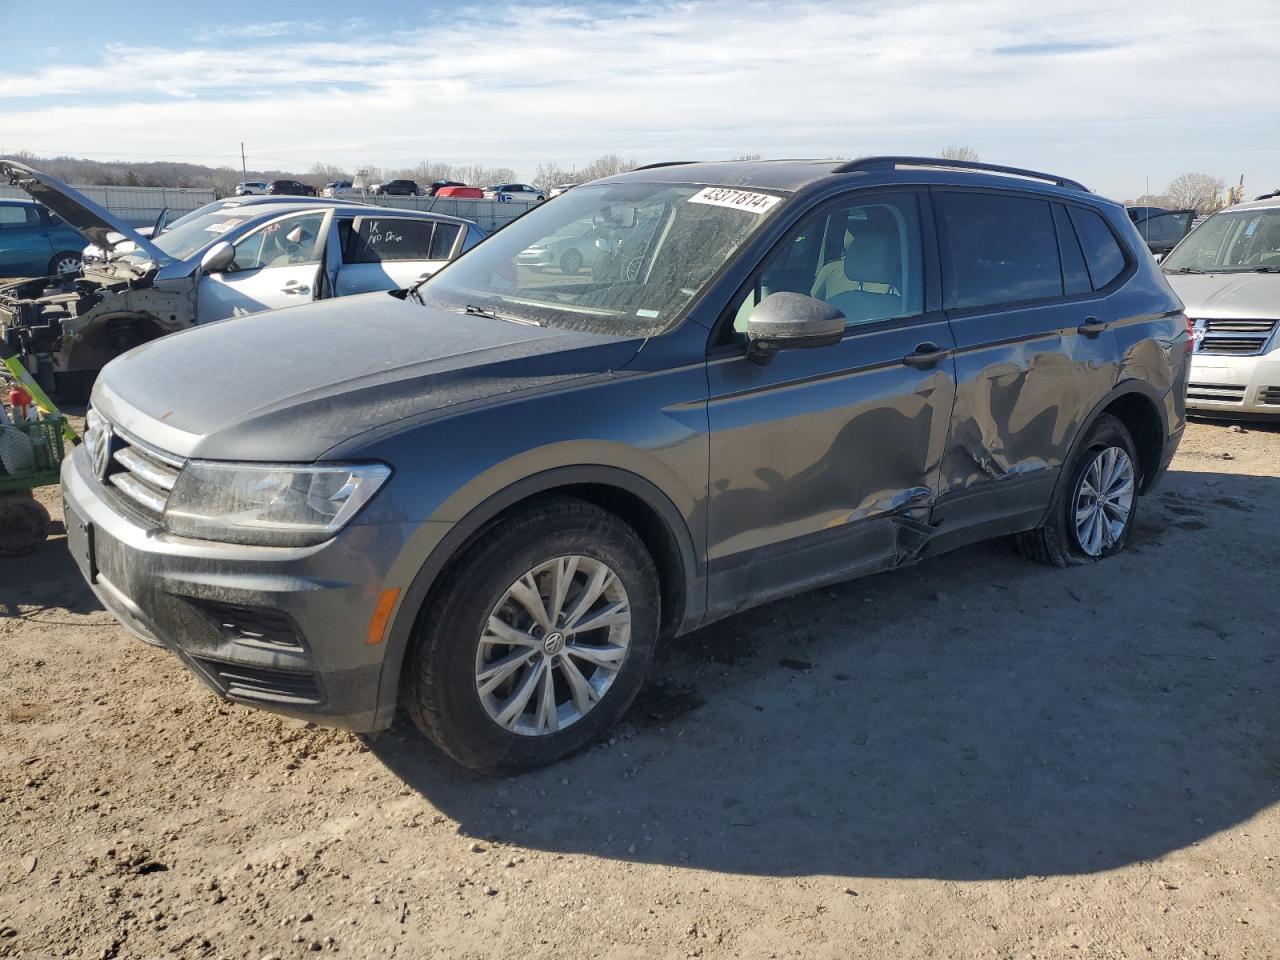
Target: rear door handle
<point>1091,327</point>
<point>925,355</point>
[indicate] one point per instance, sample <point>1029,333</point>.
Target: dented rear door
<point>1031,362</point>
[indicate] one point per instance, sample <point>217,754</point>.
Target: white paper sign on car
<point>747,200</point>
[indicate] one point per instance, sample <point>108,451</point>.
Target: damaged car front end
<point>67,327</point>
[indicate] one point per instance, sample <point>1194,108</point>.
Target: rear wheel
<point>24,524</point>
<point>1093,512</point>
<point>537,640</point>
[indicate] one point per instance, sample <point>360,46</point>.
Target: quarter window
<point>864,259</point>
<point>1075,275</point>
<point>1001,249</point>
<point>1101,250</point>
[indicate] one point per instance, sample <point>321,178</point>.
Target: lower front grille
<point>251,626</point>
<point>1217,392</point>
<point>243,682</point>
<point>1269,396</point>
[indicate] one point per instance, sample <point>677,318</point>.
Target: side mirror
<point>787,321</point>
<point>218,257</point>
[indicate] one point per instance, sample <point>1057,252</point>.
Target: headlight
<point>269,504</point>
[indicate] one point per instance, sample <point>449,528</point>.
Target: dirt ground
<point>975,757</point>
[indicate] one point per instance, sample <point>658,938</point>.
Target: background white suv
<point>514,191</point>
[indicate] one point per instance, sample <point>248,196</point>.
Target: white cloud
<point>1132,91</point>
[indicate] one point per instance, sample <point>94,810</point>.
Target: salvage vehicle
<point>291,188</point>
<point>487,498</point>
<point>35,242</point>
<point>1161,229</point>
<point>249,188</point>
<point>1227,272</point>
<point>237,256</point>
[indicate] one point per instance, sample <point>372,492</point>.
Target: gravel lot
<point>973,757</point>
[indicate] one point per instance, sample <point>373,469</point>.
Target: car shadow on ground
<point>974,717</point>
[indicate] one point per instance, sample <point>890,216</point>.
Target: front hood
<point>291,384</point>
<point>1233,296</point>
<point>98,226</point>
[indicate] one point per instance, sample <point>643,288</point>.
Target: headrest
<point>874,253</point>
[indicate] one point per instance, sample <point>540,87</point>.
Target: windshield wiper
<point>1185,270</point>
<point>1266,269</point>
<point>473,311</point>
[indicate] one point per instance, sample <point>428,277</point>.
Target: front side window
<point>1230,241</point>
<point>1000,249</point>
<point>653,247</point>
<point>290,240</point>
<point>864,259</point>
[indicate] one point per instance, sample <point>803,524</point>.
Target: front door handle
<point>1091,327</point>
<point>293,286</point>
<point>925,355</point>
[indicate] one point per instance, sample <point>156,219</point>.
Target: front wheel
<point>537,640</point>
<point>1093,511</point>
<point>64,263</point>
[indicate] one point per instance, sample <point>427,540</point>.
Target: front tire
<point>1093,512</point>
<point>537,639</point>
<point>570,263</point>
<point>64,263</point>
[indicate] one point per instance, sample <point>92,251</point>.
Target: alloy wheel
<point>1104,500</point>
<point>553,645</point>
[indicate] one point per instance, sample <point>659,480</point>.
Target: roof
<point>351,208</point>
<point>794,175</point>
<point>1263,204</point>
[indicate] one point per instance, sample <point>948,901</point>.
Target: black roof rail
<point>888,163</point>
<point>665,163</point>
<point>1268,196</point>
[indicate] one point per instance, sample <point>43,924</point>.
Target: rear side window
<point>382,239</point>
<point>1075,276</point>
<point>17,215</point>
<point>1101,249</point>
<point>1001,249</point>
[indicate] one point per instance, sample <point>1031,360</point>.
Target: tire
<point>1060,541</point>
<point>443,689</point>
<point>24,524</point>
<point>68,261</point>
<point>570,263</point>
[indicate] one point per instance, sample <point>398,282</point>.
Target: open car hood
<point>95,224</point>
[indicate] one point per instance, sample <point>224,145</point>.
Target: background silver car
<point>1227,272</point>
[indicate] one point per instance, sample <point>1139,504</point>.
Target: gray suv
<point>486,498</point>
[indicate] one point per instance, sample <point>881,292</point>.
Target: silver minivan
<point>1227,272</point>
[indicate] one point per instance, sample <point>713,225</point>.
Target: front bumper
<point>279,628</point>
<point>534,258</point>
<point>1228,385</point>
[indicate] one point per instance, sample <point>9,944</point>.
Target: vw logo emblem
<point>102,452</point>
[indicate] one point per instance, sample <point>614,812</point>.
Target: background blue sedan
<point>34,242</point>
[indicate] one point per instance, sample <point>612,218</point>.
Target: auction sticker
<point>736,199</point>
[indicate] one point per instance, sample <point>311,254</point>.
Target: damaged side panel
<point>824,463</point>
<point>67,330</point>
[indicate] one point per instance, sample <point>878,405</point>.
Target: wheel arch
<point>637,501</point>
<point>1139,407</point>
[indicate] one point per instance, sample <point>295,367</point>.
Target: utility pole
<point>244,172</point>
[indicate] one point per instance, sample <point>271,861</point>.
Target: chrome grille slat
<point>142,495</point>
<point>1236,338</point>
<point>156,474</point>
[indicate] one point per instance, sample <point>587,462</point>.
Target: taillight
<point>1191,334</point>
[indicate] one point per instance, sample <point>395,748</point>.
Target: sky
<point>1115,95</point>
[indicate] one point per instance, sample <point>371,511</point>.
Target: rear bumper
<point>283,629</point>
<point>1235,385</point>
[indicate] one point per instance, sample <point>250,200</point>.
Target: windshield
<point>196,231</point>
<point>1230,241</point>
<point>641,253</point>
